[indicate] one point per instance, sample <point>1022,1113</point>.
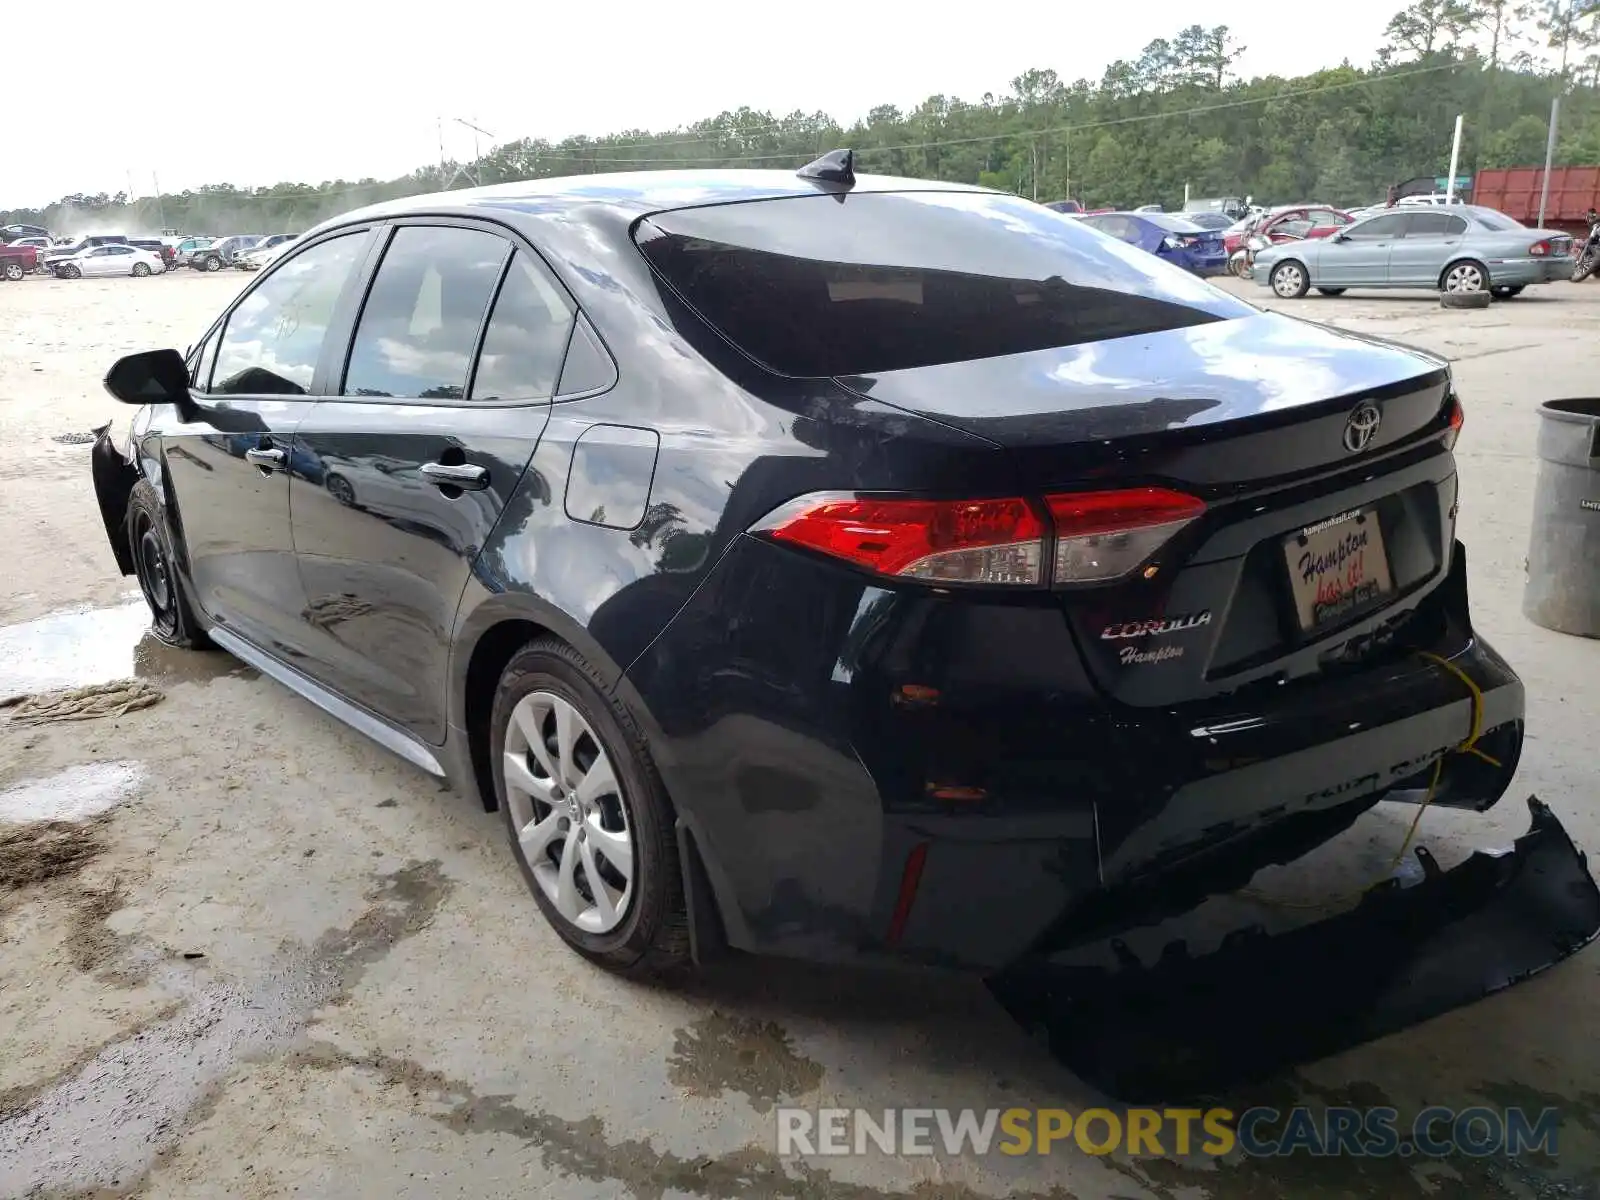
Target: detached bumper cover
<point>1182,1026</point>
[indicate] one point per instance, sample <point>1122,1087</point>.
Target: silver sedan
<point>1460,249</point>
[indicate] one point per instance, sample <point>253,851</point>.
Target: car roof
<point>637,192</point>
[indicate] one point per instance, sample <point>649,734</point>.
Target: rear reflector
<point>1099,536</point>
<point>1105,535</point>
<point>945,541</point>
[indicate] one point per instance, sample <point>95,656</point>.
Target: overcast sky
<point>309,90</point>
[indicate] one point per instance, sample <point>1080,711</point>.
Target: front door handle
<point>466,476</point>
<point>267,459</point>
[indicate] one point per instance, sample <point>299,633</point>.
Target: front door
<point>1431,240</point>
<point>252,380</point>
<point>1359,256</point>
<point>451,368</point>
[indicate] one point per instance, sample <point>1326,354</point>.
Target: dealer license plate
<point>1336,567</point>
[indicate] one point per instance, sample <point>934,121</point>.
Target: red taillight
<point>1458,418</point>
<point>1099,536</point>
<point>953,541</point>
<point>1539,249</point>
<point>1104,535</point>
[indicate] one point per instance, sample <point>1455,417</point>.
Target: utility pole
<point>1455,159</point>
<point>161,205</point>
<point>1549,155</point>
<point>477,149</point>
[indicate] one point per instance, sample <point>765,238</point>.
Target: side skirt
<point>396,741</point>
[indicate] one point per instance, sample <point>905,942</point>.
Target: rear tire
<point>1331,291</point>
<point>213,263</point>
<point>1464,299</point>
<point>1290,281</point>
<point>1584,268</point>
<point>1464,276</point>
<point>150,542</point>
<point>141,270</point>
<point>587,782</point>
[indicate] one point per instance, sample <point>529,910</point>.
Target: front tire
<point>588,818</point>
<point>1290,280</point>
<point>14,271</point>
<point>140,270</point>
<point>71,272</point>
<point>150,542</point>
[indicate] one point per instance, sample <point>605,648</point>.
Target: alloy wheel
<point>14,271</point>
<point>155,575</point>
<point>1463,277</point>
<point>569,813</point>
<point>1287,281</point>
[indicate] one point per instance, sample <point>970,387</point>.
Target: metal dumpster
<point>1563,587</point>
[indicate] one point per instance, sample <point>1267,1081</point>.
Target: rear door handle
<point>266,458</point>
<point>466,476</point>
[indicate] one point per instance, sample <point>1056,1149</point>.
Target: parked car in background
<point>1064,206</point>
<point>17,260</point>
<point>39,246</point>
<point>65,250</point>
<point>1463,249</point>
<point>1170,236</point>
<point>1230,206</point>
<point>267,252</point>
<point>1208,220</point>
<point>12,233</point>
<point>221,252</point>
<point>108,260</point>
<point>1296,223</point>
<point>158,247</point>
<point>188,246</point>
<point>1429,200</point>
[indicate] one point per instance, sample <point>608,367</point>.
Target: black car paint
<point>809,721</point>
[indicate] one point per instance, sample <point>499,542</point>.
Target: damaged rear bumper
<point>1180,1025</point>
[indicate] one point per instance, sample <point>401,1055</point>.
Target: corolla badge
<point>1155,627</point>
<point>1361,426</point>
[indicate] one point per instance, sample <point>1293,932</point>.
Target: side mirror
<point>152,377</point>
<point>1341,237</point>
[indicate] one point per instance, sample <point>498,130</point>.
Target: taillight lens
<point>1105,535</point>
<point>1539,249</point>
<point>1099,536</point>
<point>946,541</point>
<point>1458,418</point>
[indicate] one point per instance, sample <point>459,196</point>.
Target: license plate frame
<point>1337,568</point>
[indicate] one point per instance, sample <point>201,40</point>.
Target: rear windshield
<point>1172,223</point>
<point>886,281</point>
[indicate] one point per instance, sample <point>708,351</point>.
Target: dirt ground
<point>244,952</point>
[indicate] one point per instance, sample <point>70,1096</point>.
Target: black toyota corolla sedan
<point>822,565</point>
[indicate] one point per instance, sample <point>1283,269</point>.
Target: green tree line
<point>1177,116</point>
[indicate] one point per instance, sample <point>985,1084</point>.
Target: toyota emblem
<point>1361,426</point>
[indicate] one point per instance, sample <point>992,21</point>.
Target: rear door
<point>1431,238</point>
<point>252,379</point>
<point>444,395</point>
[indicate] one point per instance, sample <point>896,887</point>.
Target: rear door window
<point>420,324</point>
<point>527,336</point>
<point>812,286</point>
<point>273,339</point>
<point>1391,226</point>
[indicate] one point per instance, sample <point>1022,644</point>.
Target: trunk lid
<point>1310,551</point>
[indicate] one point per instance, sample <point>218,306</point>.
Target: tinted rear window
<point>1172,223</point>
<point>812,286</point>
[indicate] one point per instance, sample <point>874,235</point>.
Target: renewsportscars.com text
<point>1435,1132</point>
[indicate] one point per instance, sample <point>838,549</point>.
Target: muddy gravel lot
<point>245,953</point>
